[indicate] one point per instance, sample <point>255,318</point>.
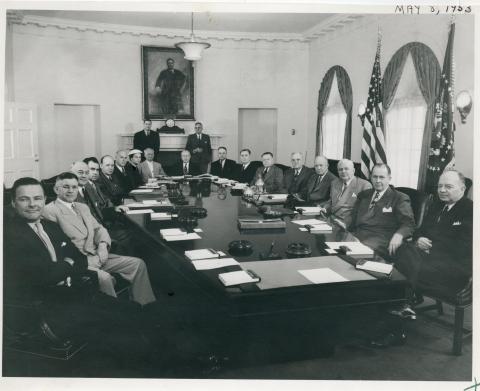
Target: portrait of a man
<point>167,83</point>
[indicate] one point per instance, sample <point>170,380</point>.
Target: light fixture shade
<point>193,50</point>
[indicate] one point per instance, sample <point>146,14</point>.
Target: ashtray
<point>298,250</point>
<point>240,247</point>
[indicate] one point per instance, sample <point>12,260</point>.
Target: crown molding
<point>320,30</point>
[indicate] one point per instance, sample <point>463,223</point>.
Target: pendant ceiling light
<point>192,49</point>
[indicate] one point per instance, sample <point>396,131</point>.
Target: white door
<point>257,131</point>
<point>21,142</point>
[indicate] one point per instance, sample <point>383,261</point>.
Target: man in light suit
<point>93,240</point>
<point>295,178</point>
<point>223,167</point>
<point>246,169</point>
<point>198,144</point>
<point>317,189</point>
<point>271,175</point>
<point>382,216</point>
<point>344,191</point>
<point>149,169</point>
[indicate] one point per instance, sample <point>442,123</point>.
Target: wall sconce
<point>362,109</point>
<point>464,104</point>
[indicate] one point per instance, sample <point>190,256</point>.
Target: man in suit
<point>134,159</point>
<point>382,216</point>
<point>147,138</point>
<point>109,184</point>
<point>317,189</point>
<point>295,178</point>
<point>93,240</point>
<point>198,144</point>
<point>120,172</point>
<point>246,169</point>
<point>344,191</point>
<point>186,166</point>
<point>271,175</point>
<point>440,256</point>
<point>223,167</point>
<point>149,168</point>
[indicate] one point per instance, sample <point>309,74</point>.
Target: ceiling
<point>239,22</point>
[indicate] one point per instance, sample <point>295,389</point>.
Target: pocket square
<point>63,244</point>
<point>457,223</point>
<point>354,195</point>
<point>387,210</point>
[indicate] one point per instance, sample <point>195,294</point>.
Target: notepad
<point>208,264</point>
<point>172,231</point>
<point>174,238</point>
<point>356,249</point>
<point>373,266</point>
<point>203,253</point>
<point>237,277</point>
<point>160,216</point>
<point>308,222</point>
<point>239,186</point>
<point>319,228</point>
<point>139,191</point>
<point>309,210</point>
<point>322,275</point>
<point>139,211</point>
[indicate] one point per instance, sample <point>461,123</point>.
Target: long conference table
<point>283,295</point>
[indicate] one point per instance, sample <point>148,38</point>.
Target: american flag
<point>442,154</point>
<point>373,142</point>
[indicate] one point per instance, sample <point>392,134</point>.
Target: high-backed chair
<point>419,201</point>
<point>282,166</point>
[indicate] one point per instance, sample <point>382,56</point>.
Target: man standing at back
<point>147,138</point>
<point>295,178</point>
<point>200,149</point>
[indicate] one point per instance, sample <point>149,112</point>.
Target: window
<point>404,127</point>
<point>333,124</point>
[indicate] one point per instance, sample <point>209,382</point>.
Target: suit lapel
<point>71,217</point>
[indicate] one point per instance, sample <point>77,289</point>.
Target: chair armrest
<point>465,295</point>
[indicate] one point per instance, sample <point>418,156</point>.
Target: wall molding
<point>324,28</point>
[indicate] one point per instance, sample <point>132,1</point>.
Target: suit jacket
<point>141,141</point>
<point>316,190</point>
<point>134,175</point>
<point>29,271</point>
<point>341,205</point>
<point>112,188</point>
<point>83,230</point>
<point>228,171</point>
<point>273,181</point>
<point>100,205</point>
<point>193,169</point>
<point>247,175</point>
<point>295,184</point>
<point>125,181</point>
<point>391,214</point>
<point>145,172</point>
<point>193,142</point>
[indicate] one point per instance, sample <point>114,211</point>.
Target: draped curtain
<point>345,90</point>
<point>428,74</point>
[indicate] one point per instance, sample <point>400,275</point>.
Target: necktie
<point>244,167</point>
<point>375,199</point>
<point>442,213</point>
<point>46,241</point>
<point>344,186</point>
<point>147,133</point>
<point>81,191</point>
<point>185,169</point>
<point>199,137</point>
<point>265,172</point>
<point>297,171</point>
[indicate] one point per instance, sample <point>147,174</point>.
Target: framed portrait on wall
<point>167,83</point>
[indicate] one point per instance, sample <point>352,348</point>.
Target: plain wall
<point>355,48</point>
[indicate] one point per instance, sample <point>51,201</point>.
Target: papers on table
<point>161,216</point>
<point>309,210</point>
<point>139,211</point>
<point>274,197</point>
<point>175,234</point>
<point>239,186</point>
<point>149,187</point>
<point>141,191</point>
<point>208,264</point>
<point>177,177</point>
<point>375,267</point>
<point>308,222</point>
<point>203,253</point>
<point>317,228</point>
<point>223,181</point>
<point>145,203</point>
<point>172,231</point>
<point>323,275</point>
<point>353,248</point>
<point>238,277</point>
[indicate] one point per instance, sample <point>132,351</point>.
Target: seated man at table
<point>344,191</point>
<point>295,178</point>
<point>93,240</point>
<point>271,175</point>
<point>440,256</point>
<point>185,167</point>
<point>120,172</point>
<point>246,169</point>
<point>223,167</point>
<point>134,159</point>
<point>149,168</point>
<point>109,184</point>
<point>382,216</point>
<point>317,189</point>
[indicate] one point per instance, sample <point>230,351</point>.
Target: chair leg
<point>458,331</point>
<point>439,305</point>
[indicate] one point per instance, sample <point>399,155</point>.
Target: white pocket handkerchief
<point>354,195</point>
<point>63,244</point>
<point>457,223</point>
<point>387,210</point>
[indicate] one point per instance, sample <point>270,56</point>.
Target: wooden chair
<point>460,301</point>
<point>419,201</point>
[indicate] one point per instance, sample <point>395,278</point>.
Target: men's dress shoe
<point>389,339</point>
<point>405,313</point>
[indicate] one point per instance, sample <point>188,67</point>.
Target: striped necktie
<point>46,240</point>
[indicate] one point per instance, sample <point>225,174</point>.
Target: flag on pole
<point>442,154</point>
<point>373,141</point>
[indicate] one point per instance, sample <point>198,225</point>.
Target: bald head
<point>80,169</point>
<point>451,186</point>
<point>321,165</point>
<point>346,170</point>
<point>107,165</point>
<point>121,157</point>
